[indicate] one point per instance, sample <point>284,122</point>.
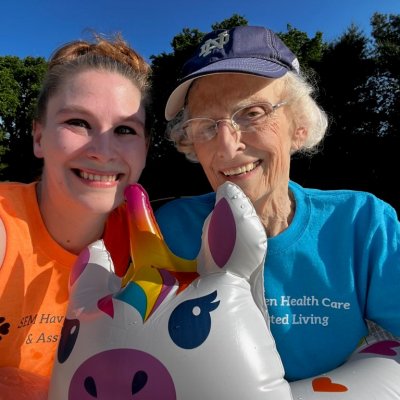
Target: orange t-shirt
<point>34,279</point>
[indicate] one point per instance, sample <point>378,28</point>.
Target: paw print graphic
<point>4,327</point>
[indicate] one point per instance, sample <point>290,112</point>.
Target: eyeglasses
<point>247,119</point>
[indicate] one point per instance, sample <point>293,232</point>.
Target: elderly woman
<point>242,110</point>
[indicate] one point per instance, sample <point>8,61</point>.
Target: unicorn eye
<point>69,334</point>
<point>190,323</point>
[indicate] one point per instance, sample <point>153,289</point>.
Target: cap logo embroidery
<point>210,44</point>
<point>296,65</point>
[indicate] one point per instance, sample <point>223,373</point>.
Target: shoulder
<point>181,223</point>
<point>13,195</point>
<point>18,202</point>
<point>356,206</point>
<point>181,208</point>
<point>16,191</point>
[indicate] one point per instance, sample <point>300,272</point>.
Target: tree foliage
<point>19,87</point>
<point>360,92</point>
<point>359,86</point>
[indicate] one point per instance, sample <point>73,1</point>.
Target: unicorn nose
<point>139,381</point>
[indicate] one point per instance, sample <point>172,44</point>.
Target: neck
<point>276,211</point>
<point>71,228</point>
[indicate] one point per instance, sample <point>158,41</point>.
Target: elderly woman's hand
<point>16,384</point>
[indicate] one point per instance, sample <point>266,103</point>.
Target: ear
<point>37,129</point>
<point>242,252</point>
<point>298,139</point>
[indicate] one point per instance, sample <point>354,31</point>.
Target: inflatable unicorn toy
<point>193,329</point>
<point>150,336</point>
<point>371,372</point>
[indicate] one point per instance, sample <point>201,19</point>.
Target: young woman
<point>92,132</point>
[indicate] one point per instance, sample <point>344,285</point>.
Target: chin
<point>101,204</point>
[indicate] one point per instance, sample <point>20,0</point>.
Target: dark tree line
<point>359,86</point>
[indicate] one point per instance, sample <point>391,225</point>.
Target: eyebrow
<point>82,110</point>
<point>69,109</point>
<point>133,118</point>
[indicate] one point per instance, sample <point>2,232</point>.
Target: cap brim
<point>249,66</point>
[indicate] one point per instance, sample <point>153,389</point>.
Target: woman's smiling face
<point>257,162</point>
<point>92,140</point>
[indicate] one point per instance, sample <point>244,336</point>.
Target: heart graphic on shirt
<point>384,348</point>
<point>325,384</point>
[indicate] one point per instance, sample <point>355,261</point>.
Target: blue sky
<point>37,27</point>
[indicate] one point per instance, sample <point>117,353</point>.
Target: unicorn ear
<point>233,239</point>
<point>92,278</point>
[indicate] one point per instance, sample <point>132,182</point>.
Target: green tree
<point>359,86</point>
<point>386,33</point>
<point>309,51</point>
<point>19,86</point>
<point>234,20</point>
<point>343,71</point>
<point>383,89</point>
<point>8,107</point>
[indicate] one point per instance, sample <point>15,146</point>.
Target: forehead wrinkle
<point>219,96</point>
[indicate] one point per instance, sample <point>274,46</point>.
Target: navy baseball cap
<point>253,50</point>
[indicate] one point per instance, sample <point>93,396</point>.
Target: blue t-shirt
<point>336,265</point>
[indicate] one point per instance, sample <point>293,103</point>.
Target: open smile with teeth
<point>97,178</point>
<point>242,169</point>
